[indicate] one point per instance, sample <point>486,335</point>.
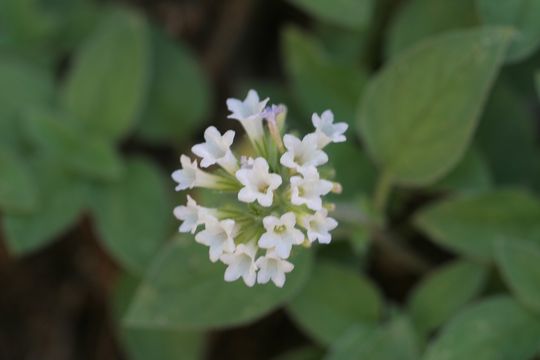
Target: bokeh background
<point>98,99</point>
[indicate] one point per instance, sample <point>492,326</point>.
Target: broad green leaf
<point>537,78</point>
<point>419,113</point>
<point>17,188</point>
<point>158,344</point>
<point>497,328</point>
<point>105,90</point>
<point>419,19</point>
<point>179,94</point>
<point>347,13</point>
<point>21,85</point>
<point>324,311</point>
<point>183,289</point>
<point>320,82</point>
<point>63,198</point>
<point>163,344</point>
<point>509,120</point>
<point>523,15</point>
<point>444,292</point>
<point>395,340</point>
<point>470,174</point>
<point>133,215</point>
<point>54,134</point>
<point>520,266</point>
<point>471,224</point>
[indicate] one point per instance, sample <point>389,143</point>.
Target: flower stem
<point>382,192</point>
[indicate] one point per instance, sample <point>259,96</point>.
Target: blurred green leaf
<point>158,344</point>
<point>183,289</point>
<point>520,266</point>
<point>395,340</point>
<point>133,216</point>
<point>54,134</point>
<point>347,13</point>
<point>436,91</point>
<point>324,311</point>
<point>318,81</point>
<point>17,188</point>
<point>419,19</point>
<point>444,292</point>
<point>496,328</point>
<point>507,137</point>
<point>303,353</point>
<point>105,91</point>
<point>523,15</point>
<point>63,198</point>
<point>537,78</point>
<point>179,94</point>
<point>21,85</point>
<point>471,224</point>
<point>470,174</point>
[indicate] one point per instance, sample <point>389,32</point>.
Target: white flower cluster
<point>279,189</point>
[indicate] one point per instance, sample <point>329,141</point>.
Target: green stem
<point>382,192</point>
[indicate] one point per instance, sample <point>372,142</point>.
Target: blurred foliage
<point>441,170</point>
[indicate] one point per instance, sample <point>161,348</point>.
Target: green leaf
<point>162,344</point>
<point>21,85</point>
<point>395,340</point>
<point>538,82</point>
<point>53,133</point>
<point>133,216</point>
<point>179,94</point>
<point>105,90</point>
<point>347,13</point>
<point>436,91</point>
<point>496,328</point>
<point>520,266</point>
<point>509,119</point>
<point>17,189</point>
<point>444,292</point>
<point>303,353</point>
<point>318,81</point>
<point>419,19</point>
<point>323,311</point>
<point>523,15</point>
<point>471,174</point>
<point>63,198</point>
<point>183,289</point>
<point>471,224</point>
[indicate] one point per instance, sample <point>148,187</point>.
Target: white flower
<point>250,114</point>
<point>326,130</point>
<point>309,189</point>
<point>219,236</point>
<point>302,154</point>
<point>216,149</point>
<point>272,267</point>
<point>318,226</point>
<point>241,263</point>
<point>259,183</point>
<point>191,176</point>
<point>281,234</point>
<point>192,215</point>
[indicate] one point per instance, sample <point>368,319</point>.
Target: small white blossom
<point>318,226</point>
<point>216,149</point>
<point>302,153</point>
<point>250,114</point>
<point>309,189</point>
<point>281,234</point>
<point>218,235</point>
<point>272,267</point>
<point>241,263</point>
<point>191,176</point>
<point>259,183</point>
<point>191,214</point>
<point>326,130</point>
